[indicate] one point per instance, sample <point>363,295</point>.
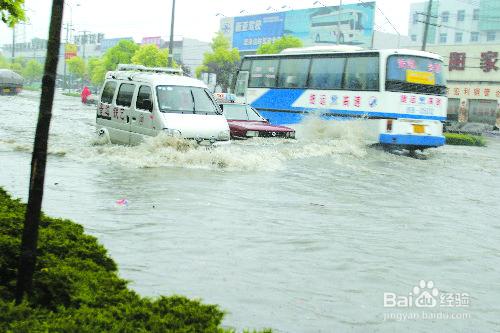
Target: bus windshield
<point>414,69</point>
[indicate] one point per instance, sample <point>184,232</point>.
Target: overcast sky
<point>194,18</point>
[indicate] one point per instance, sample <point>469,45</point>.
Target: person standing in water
<point>85,94</point>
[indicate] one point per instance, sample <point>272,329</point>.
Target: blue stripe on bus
<point>412,140</point>
<point>276,105</point>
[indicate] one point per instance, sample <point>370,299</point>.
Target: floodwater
<point>299,236</point>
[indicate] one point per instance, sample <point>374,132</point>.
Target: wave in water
<point>315,138</point>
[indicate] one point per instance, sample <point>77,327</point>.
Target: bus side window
<point>108,92</point>
<point>293,72</point>
<point>263,74</point>
<point>362,73</point>
<point>326,73</point>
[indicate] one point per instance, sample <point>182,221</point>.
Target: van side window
<point>108,92</point>
<point>125,95</point>
<point>144,94</point>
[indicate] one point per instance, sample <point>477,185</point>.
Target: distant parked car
<point>11,83</point>
<point>245,122</point>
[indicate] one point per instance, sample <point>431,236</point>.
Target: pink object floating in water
<point>122,202</point>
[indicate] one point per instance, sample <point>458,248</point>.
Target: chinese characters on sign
<point>248,26</point>
<point>474,91</point>
<point>487,63</point>
<point>457,61</point>
<point>356,102</point>
<point>259,41</point>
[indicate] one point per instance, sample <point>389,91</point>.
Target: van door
<point>105,107</point>
<point>240,89</point>
<point>141,115</point>
<point>121,112</point>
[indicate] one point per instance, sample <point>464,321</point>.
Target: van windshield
<point>185,100</point>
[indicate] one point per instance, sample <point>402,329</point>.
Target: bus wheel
<point>318,39</point>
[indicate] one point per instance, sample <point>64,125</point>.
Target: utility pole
<point>171,43</point>
<point>338,23</point>
<point>426,27</point>
<point>68,27</point>
<point>13,43</point>
<point>84,42</point>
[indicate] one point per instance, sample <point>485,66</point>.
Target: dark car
<point>245,122</point>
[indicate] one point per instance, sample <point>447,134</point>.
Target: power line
<point>446,26</point>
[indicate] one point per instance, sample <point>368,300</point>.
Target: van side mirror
<point>147,105</point>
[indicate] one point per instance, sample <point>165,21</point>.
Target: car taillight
<point>389,125</point>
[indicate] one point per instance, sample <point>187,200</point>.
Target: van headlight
<point>252,133</point>
<point>223,136</point>
<point>172,132</point>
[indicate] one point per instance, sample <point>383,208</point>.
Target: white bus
<point>401,93</point>
<point>338,27</point>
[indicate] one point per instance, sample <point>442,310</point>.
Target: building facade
<point>467,35</point>
<point>473,82</point>
<point>189,52</point>
<point>456,22</point>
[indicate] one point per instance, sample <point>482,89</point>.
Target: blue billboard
<point>350,24</point>
<point>249,32</point>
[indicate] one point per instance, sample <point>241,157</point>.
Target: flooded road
<point>300,236</point>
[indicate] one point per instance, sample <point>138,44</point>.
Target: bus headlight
<point>172,132</point>
<point>223,136</point>
<point>252,133</point>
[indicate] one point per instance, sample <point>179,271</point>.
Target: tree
<point>18,64</point>
<point>77,67</point>
<point>279,45</point>
<point>27,260</point>
<point>33,71</point>
<point>3,62</point>
<point>151,56</point>
<point>121,53</point>
<point>95,70</point>
<point>12,11</point>
<point>223,61</point>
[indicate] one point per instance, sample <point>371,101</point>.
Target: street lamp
<point>319,2</point>
<point>171,43</point>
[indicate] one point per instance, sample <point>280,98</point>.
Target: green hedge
<point>76,287</point>
<point>71,94</point>
<point>461,139</point>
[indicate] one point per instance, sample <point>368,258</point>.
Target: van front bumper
<point>412,141</point>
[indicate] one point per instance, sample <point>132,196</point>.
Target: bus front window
<point>415,74</point>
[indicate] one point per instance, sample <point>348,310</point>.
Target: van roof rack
<point>141,68</point>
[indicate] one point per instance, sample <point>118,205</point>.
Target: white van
<point>137,101</point>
